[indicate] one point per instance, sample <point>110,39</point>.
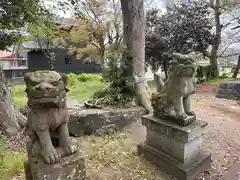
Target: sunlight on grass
<point>79,91</point>
<point>84,90</point>
<point>115,157</point>
<point>19,95</point>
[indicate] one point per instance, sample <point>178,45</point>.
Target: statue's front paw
<point>70,149</point>
<point>191,113</point>
<point>182,116</point>
<point>51,156</point>
<point>36,148</point>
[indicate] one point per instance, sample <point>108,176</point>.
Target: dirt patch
<point>207,88</point>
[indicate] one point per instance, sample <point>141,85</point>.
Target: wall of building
<point>63,63</point>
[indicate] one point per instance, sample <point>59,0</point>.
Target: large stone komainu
<point>48,115</point>
<point>175,93</point>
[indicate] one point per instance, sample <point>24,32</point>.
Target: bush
<point>121,85</point>
<point>85,77</point>
<point>72,79</point>
<point>88,77</point>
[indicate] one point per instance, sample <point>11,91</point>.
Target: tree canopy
<point>14,14</point>
<point>100,29</point>
<point>172,31</point>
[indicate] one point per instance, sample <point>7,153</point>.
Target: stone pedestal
<point>229,90</point>
<point>70,167</point>
<point>175,149</point>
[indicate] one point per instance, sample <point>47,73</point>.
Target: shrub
<point>72,79</point>
<point>121,84</point>
<point>85,77</point>
<point>88,77</point>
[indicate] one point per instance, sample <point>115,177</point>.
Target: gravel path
<point>222,137</point>
<point>223,132</point>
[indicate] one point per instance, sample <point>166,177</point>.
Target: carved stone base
<point>174,148</point>
<point>70,167</point>
<point>182,122</point>
<point>179,170</point>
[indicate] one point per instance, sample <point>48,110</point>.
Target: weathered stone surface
<point>174,148</point>
<point>70,167</point>
<point>182,143</point>
<point>229,90</point>
<point>172,98</point>
<point>181,171</point>
<point>100,121</point>
<point>48,115</point>
<point>174,131</point>
<point>24,111</point>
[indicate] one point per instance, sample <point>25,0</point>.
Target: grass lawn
<point>78,90</point>
<point>216,81</point>
<point>11,163</point>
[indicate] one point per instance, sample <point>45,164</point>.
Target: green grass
<point>19,95</point>
<point>78,90</point>
<point>11,163</point>
<point>216,81</point>
<point>84,90</point>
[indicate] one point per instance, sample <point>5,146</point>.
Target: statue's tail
<point>159,82</point>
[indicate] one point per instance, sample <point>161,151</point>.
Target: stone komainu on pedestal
<point>51,154</point>
<point>173,133</point>
<point>175,93</point>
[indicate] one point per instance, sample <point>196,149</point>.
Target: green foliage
<point>14,15</point>
<point>79,90</point>
<point>172,31</point>
<point>121,84</point>
<point>72,79</point>
<point>100,30</point>
<point>85,90</point>
<point>88,77</point>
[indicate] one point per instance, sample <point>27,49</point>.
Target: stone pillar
<point>174,148</point>
<point>69,168</point>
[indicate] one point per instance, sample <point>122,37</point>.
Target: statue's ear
<point>64,78</point>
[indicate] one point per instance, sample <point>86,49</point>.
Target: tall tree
<point>101,28</point>
<point>134,40</point>
<point>172,31</point>
<point>220,9</point>
<point>236,71</point>
<point>217,39</point>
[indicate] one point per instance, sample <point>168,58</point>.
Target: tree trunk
<point>11,120</point>
<point>134,40</point>
<point>235,74</point>
<point>217,40</point>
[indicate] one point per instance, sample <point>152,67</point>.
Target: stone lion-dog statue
<point>48,115</point>
<point>175,93</point>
